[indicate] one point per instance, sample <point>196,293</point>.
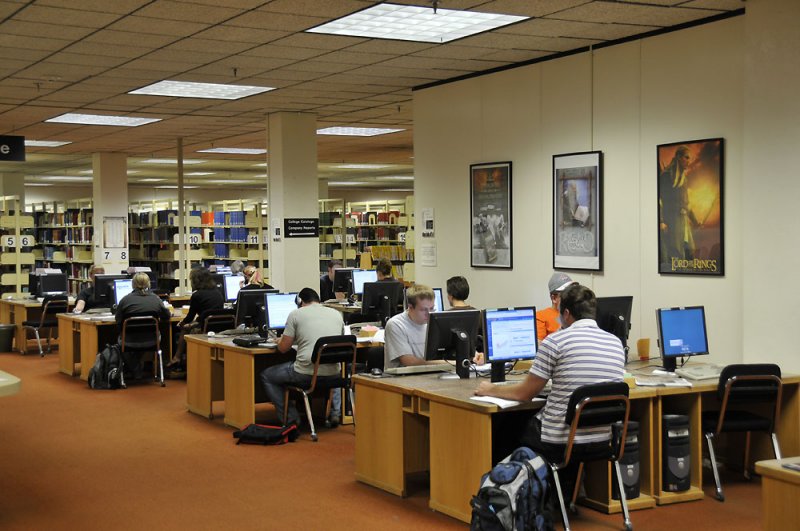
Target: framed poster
<point>577,211</point>
<point>690,214</point>
<point>490,215</point>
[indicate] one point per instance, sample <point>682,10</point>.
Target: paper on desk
<point>662,381</point>
<point>502,403</point>
<point>377,338</point>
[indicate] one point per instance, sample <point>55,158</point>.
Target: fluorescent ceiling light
<point>261,164</point>
<point>228,181</point>
<point>38,184</point>
<point>172,186</point>
<point>234,151</point>
<point>62,178</point>
<point>346,183</point>
<point>150,180</point>
<point>395,178</point>
<point>415,23</point>
<point>88,172</point>
<point>189,89</point>
<point>46,143</point>
<point>102,119</point>
<point>362,166</point>
<point>356,131</point>
<point>397,190</point>
<point>171,161</point>
<point>201,173</point>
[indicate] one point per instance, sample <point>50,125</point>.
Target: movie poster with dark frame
<point>490,215</point>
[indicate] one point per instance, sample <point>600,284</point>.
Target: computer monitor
<point>681,332</point>
<point>219,280</point>
<point>509,335</point>
<point>250,309</point>
<point>343,280</point>
<point>382,298</point>
<point>614,316</point>
<point>121,288</point>
<point>103,286</point>
<point>279,306</point>
<point>52,284</point>
<point>33,284</point>
<point>360,277</point>
<point>233,283</point>
<point>438,300</point>
<point>452,336</point>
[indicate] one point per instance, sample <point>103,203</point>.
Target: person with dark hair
<point>579,354</point>
<point>547,319</point>
<point>326,282</point>
<point>86,298</point>
<point>384,270</point>
<point>304,326</point>
<point>457,293</point>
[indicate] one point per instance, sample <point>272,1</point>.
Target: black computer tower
<point>629,464</point>
<point>677,468</point>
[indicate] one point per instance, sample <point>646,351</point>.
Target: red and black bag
<point>263,434</point>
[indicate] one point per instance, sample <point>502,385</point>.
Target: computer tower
<point>629,464</point>
<point>676,466</point>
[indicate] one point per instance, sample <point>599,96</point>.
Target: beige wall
<point>624,100</point>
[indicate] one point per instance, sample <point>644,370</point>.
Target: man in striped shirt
<point>579,354</point>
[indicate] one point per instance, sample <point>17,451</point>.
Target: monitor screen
<point>343,280</point>
<point>614,316</point>
<point>103,289</point>
<point>279,306</point>
<point>33,284</point>
<point>250,309</point>
<point>52,284</point>
<point>452,336</point>
<point>509,334</point>
<point>382,298</point>
<point>360,276</point>
<point>121,288</point>
<point>438,300</point>
<point>232,286</point>
<point>681,332</point>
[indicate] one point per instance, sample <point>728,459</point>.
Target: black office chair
<point>141,333</point>
<point>217,320</point>
<point>52,305</point>
<point>327,350</point>
<point>592,406</point>
<point>751,384</point>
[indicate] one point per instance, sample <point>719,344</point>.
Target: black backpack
<point>514,495</point>
<point>105,374</point>
<point>263,434</point>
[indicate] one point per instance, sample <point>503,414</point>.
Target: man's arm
<point>527,389</point>
<point>410,359</point>
<point>285,344</point>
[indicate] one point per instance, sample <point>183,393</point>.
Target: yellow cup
<point>643,348</point>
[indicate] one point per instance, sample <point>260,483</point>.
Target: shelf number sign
<point>123,255</point>
<point>252,238</point>
<point>194,239</point>
<point>25,241</point>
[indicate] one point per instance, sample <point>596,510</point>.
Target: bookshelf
<point>334,239</point>
<point>17,241</point>
<point>380,229</point>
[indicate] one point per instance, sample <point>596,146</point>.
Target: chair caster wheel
<point>720,496</point>
<point>628,527</point>
<point>163,384</point>
<point>124,386</point>
<point>210,416</point>
<point>573,509</point>
<point>315,438</point>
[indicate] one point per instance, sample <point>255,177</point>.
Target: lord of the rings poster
<point>690,208</point>
<point>490,215</point>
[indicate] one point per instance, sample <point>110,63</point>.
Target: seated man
<point>547,319</point>
<point>304,326</point>
<point>383,270</point>
<point>86,298</point>
<point>579,354</point>
<point>405,332</point>
<point>326,291</point>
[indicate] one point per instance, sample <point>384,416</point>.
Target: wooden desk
<point>16,311</point>
<point>780,490</point>
<point>9,384</point>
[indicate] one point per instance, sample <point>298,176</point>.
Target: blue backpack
<point>514,495</point>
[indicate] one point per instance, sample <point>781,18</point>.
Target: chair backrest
<point>218,320</point>
<point>140,332</point>
<point>52,305</point>
<point>335,349</point>
<point>750,383</point>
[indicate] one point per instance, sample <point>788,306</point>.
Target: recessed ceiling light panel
<point>102,119</point>
<point>395,178</point>
<point>347,183</point>
<point>63,178</point>
<point>356,131</point>
<point>415,23</point>
<point>362,166</point>
<point>189,89</point>
<point>171,161</point>
<point>45,143</point>
<point>234,151</point>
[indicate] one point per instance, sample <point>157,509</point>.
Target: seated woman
<point>205,297</point>
<point>86,298</point>
<point>253,280</point>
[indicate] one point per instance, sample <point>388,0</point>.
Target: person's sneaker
<point>332,421</point>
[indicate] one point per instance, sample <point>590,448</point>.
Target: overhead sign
<point>12,148</point>
<point>301,227</point>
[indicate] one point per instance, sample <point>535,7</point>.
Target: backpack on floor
<point>263,434</point>
<point>513,496</point>
<point>105,374</point>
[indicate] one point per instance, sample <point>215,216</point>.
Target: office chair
<point>327,350</point>
<point>756,383</point>
<point>142,333</point>
<point>218,320</point>
<point>52,305</point>
<point>592,406</point>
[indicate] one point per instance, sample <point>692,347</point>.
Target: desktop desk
<point>15,311</point>
<point>9,384</point>
<point>780,490</point>
<point>417,423</point>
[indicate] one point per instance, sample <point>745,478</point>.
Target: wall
<point>622,100</point>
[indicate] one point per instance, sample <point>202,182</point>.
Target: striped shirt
<point>579,355</point>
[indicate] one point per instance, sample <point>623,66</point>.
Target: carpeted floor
<point>73,458</point>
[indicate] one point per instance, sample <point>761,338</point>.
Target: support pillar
<point>110,211</point>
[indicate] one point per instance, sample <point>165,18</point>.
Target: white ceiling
<point>60,56</point>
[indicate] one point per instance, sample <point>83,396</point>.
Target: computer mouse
<point>211,334</point>
<point>376,371</point>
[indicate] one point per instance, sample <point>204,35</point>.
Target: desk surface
<point>774,469</point>
<point>9,384</point>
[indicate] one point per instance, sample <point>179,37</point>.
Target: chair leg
<point>746,465</point>
<point>38,341</point>
<point>560,498</point>
<point>160,368</point>
<point>713,458</point>
<point>310,418</point>
<point>285,404</point>
<point>574,496</point>
<point>623,500</point>
<point>775,446</point>
<point>49,338</point>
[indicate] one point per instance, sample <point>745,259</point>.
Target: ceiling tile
<point>284,52</point>
<point>37,29</point>
<point>179,11</point>
<point>65,17</point>
<point>154,26</point>
<point>553,27</point>
<point>329,10</point>
<point>225,32</point>
<point>527,8</point>
<point>730,5</point>
<point>633,14</point>
<point>100,6</point>
<point>276,21</point>
<point>33,43</point>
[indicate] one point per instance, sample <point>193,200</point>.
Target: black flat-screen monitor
<point>614,316</point>
<point>382,298</point>
<point>452,336</point>
<point>103,289</point>
<point>279,306</point>
<point>362,276</point>
<point>509,335</point>
<point>250,309</point>
<point>233,283</point>
<point>681,332</point>
<point>52,284</point>
<point>121,288</point>
<point>33,284</point>
<point>343,280</point>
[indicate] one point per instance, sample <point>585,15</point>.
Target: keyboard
<point>237,332</point>
<point>700,372</point>
<point>420,369</point>
<point>249,340</point>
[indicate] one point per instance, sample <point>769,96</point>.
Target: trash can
<point>7,337</point>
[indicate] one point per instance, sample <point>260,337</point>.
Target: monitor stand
<point>498,373</point>
<point>670,363</point>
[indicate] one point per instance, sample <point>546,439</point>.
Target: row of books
<point>329,218</point>
<point>71,216</point>
<point>232,217</point>
<point>391,217</point>
<point>396,253</point>
<point>233,234</point>
<point>379,233</point>
<point>69,235</point>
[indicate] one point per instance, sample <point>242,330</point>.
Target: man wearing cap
<point>547,319</point>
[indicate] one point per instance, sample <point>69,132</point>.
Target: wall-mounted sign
<point>301,227</point>
<point>12,148</point>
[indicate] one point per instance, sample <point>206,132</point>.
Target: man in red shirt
<point>547,319</point>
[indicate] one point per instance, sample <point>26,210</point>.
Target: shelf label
<point>25,240</point>
<point>351,238</point>
<point>301,227</point>
<point>194,239</point>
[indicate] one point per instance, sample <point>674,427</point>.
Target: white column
<point>110,211</point>
<point>293,192</point>
<point>13,184</point>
